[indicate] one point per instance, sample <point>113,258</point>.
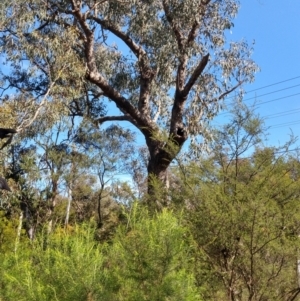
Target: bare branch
<point>294,293</point>
<point>229,91</point>
<point>46,72</point>
<point>113,118</point>
<point>26,123</point>
<point>97,95</point>
<point>135,48</point>
<point>7,143</point>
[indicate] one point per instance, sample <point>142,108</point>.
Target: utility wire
<point>280,114</point>
<point>268,101</point>
<point>264,102</point>
<point>271,92</point>
<point>285,124</point>
<point>267,86</point>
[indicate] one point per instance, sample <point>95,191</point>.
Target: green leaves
<point>149,259</point>
<point>153,258</point>
<point>242,209</point>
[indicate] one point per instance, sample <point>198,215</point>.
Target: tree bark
<point>157,171</point>
<point>19,231</point>
<point>161,155</point>
<point>70,196</point>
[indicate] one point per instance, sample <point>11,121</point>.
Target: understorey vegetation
<point>228,228</point>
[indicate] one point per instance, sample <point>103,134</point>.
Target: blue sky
<point>274,26</point>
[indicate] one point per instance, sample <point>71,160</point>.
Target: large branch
<point>174,26</point>
<point>121,102</point>
<point>197,72</point>
<point>113,118</point>
<point>193,32</point>
<point>95,77</point>
<point>134,47</point>
<point>196,25</point>
<point>146,73</point>
<point>229,91</point>
<point>146,78</point>
<point>89,42</point>
<point>183,43</point>
<point>181,75</point>
<point>180,97</point>
<point>181,70</point>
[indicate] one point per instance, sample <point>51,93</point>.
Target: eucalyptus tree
<point>165,64</point>
<point>109,152</point>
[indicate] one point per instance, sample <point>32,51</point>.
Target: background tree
<point>109,152</point>
<point>167,74</point>
<point>242,208</point>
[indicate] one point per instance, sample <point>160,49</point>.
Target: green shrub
<point>150,259</point>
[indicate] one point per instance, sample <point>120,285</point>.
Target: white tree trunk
<point>19,231</point>
<point>68,208</point>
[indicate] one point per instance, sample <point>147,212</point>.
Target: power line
<point>271,92</point>
<point>275,153</point>
<point>280,114</point>
<point>267,86</point>
<point>285,124</point>
<point>264,102</point>
<point>270,85</point>
<point>271,116</point>
<point>274,84</point>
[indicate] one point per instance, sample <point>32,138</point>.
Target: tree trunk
<point>70,196</point>
<point>52,205</point>
<point>160,158</point>
<point>70,192</point>
<point>19,229</point>
<point>157,170</point>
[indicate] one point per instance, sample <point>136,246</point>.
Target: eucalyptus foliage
<point>166,64</point>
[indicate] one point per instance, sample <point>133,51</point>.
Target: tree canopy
<point>167,65</point>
